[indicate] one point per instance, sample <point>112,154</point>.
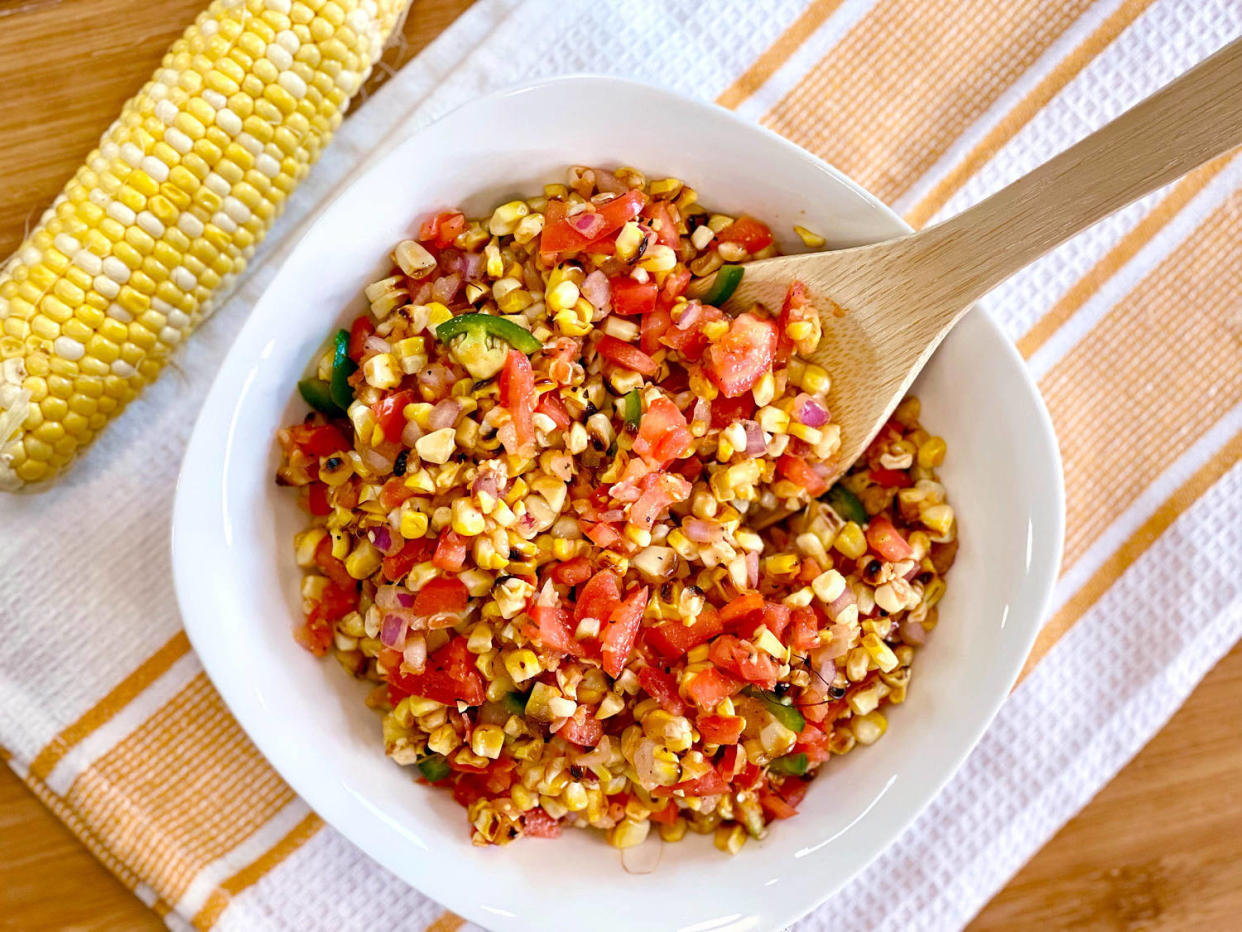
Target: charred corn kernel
<point>383,370</point>
<point>658,258</point>
<point>444,740</point>
<point>437,446</point>
<point>528,228</point>
<point>629,832</point>
<point>505,218</point>
<point>628,241</point>
<point>851,541</point>
<point>813,240</point>
<point>828,586</point>
<point>522,665</point>
<point>363,561</point>
<point>413,259</point>
<point>487,741</point>
<point>305,545</point>
<point>869,728</point>
<point>730,837</point>
<point>938,519</point>
<point>135,210</point>
<point>880,652</point>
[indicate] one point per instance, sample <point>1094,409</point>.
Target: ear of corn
<point>167,211</point>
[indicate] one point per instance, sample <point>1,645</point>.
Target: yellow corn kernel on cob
<point>166,212</point>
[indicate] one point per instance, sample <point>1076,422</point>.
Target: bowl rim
<point>215,661</point>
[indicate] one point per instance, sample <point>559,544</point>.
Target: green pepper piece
<point>787,715</point>
<point>633,409</point>
<point>793,765</point>
<point>728,277</point>
<point>517,337</point>
<point>514,703</point>
<point>434,767</point>
<point>846,504</point>
<point>318,394</point>
<point>342,368</point>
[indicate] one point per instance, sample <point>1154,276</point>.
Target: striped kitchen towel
<point>1132,329</point>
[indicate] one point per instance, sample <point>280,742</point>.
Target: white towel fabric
<point>86,592</point>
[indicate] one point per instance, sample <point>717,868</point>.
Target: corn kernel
<point>812,240</point>
<point>851,541</point>
<point>730,837</point>
<point>629,832</point>
<point>487,741</point>
<point>444,740</point>
<point>364,560</point>
<point>522,665</point>
<point>869,728</point>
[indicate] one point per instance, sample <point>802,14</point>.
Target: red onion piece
<point>451,260</point>
<point>702,411</point>
<point>376,460</point>
<point>913,632</point>
<point>411,433</point>
<point>374,345</point>
<point>405,599</point>
<point>392,634</point>
<point>841,603</point>
<point>444,414</point>
<point>755,442</point>
<point>701,531</point>
<point>607,182</point>
<point>445,287</point>
<point>597,290</point>
<point>422,295</point>
<point>691,314</point>
<point>589,224</point>
<point>486,484</point>
<point>752,569</point>
<point>472,266</point>
<point>810,411</point>
<point>437,379</point>
<point>381,537</point>
<point>644,763</point>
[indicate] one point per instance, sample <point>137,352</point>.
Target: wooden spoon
<point>903,296</point>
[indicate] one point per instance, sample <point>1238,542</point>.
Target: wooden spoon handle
<point>1181,126</point>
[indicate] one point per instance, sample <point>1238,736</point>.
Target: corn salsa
<point>535,472</point>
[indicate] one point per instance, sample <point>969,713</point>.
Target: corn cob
<point>166,212</point>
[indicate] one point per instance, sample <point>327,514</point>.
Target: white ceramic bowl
<point>307,717</point>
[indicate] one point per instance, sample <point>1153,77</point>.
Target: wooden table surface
<point>1159,848</point>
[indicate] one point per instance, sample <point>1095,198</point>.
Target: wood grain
<point>66,66</point>
<point>903,296</point>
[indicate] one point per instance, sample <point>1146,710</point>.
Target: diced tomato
<point>805,632</point>
<point>632,297</point>
<point>662,687</point>
<point>793,790</point>
<point>563,235</point>
<point>623,623</point>
<point>538,824</point>
<point>742,356</point>
<point>550,404</point>
<point>708,687</point>
<point>672,639</point>
<point>731,761</point>
<point>602,534</point>
<point>500,775</point>
<point>554,627</point>
<point>710,784</point>
<point>798,471</point>
<point>887,541</point>
<point>775,807</point>
<point>720,729</point>
<point>517,395</point>
<point>318,439</point>
<point>744,660</point>
<point>753,234</point>
<point>776,616</point>
<point>674,284</point>
<point>743,613</point>
<point>390,412</point>
<point>468,789</point>
<point>813,742</point>
<point>338,600</point>
<point>441,595</point>
<point>667,815</point>
<point>450,552</point>
<point>662,217</point>
<point>727,410</point>
<point>663,434</point>
<point>442,229</point>
<point>393,493</point>
<point>317,500</point>
<point>316,633</point>
<point>796,307</point>
<point>450,675</point>
<point>359,330</point>
<point>330,566</point>
<point>599,597</point>
<point>812,701</point>
<point>572,572</point>
<point>585,733</point>
<point>626,355</point>
<point>666,490</point>
<point>654,325</point>
<point>396,566</point>
<point>678,379</point>
<point>890,478</point>
<point>749,777</point>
